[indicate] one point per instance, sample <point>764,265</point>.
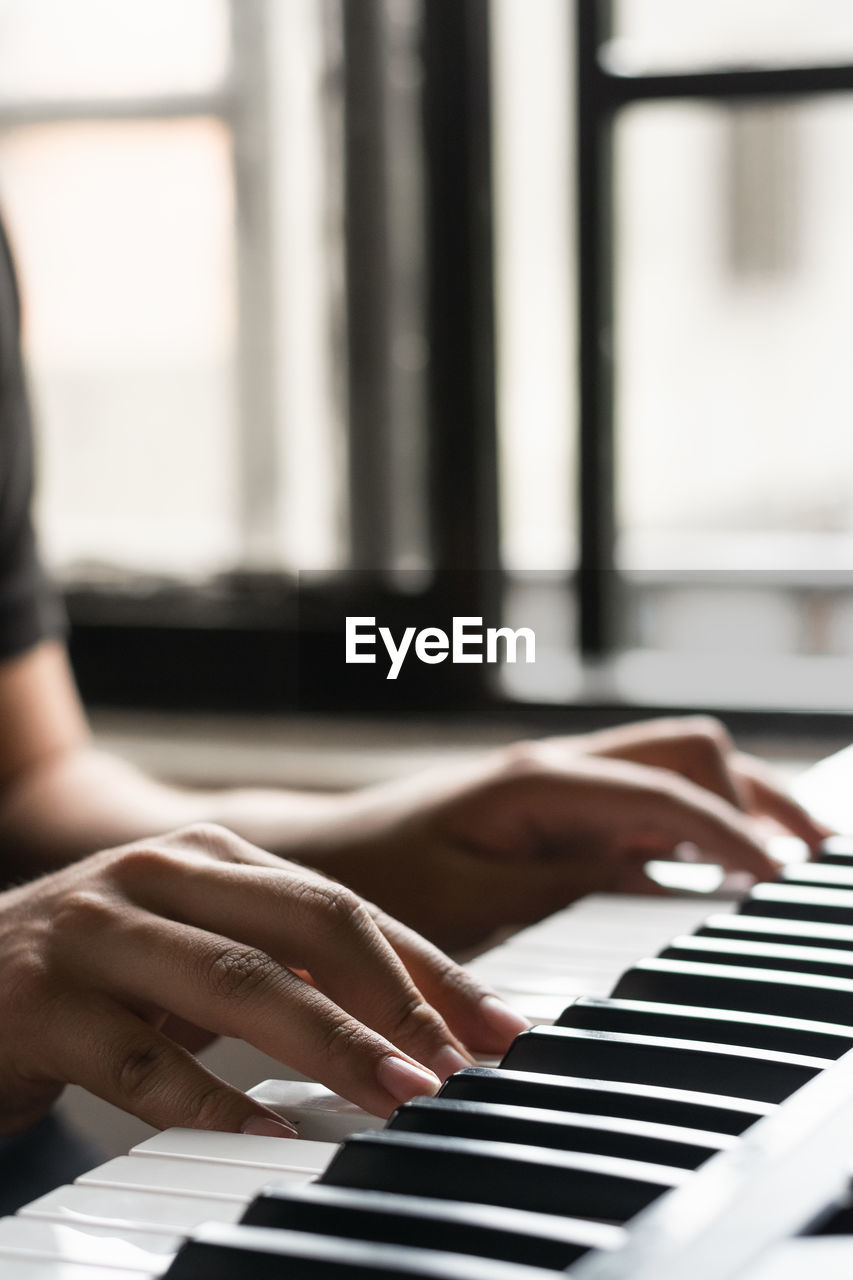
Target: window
<point>301,281</point>
<point>142,171</point>
<point>715,557</point>
<point>244,301</point>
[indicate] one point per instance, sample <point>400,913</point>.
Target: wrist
<point>293,824</point>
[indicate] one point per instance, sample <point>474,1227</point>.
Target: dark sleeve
<point>29,609</point>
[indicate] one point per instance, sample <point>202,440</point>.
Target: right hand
<point>460,853</point>
<point>101,958</point>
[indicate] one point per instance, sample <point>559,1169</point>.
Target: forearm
<point>83,800</point>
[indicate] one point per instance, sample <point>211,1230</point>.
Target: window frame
<point>233,644</point>
<point>240,103</point>
<point>602,92</point>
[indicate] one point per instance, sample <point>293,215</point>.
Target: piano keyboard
<point>682,1106</point>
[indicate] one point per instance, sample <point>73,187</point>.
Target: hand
<point>700,749</point>
<point>205,928</point>
<point>538,825</point>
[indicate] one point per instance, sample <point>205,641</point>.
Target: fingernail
<point>449,1060</point>
<point>503,1020</point>
<point>266,1127</point>
<point>404,1080</point>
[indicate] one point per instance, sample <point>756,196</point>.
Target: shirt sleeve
<point>29,609</point>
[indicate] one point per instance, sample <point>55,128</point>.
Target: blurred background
<point>540,312</point>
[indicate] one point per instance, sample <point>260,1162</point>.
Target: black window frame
<point>236,643</point>
<point>233,645</point>
<point>603,92</point>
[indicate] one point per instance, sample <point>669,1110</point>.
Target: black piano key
<point>837,1220</point>
<point>761,955</point>
<point>484,1230</point>
<point>827,875</point>
<point>500,1173</point>
<point>799,902</point>
<point>837,849</point>
<point>223,1251</point>
<point>657,1103</point>
<point>692,1064</point>
<point>800,933</point>
<point>564,1131</point>
<point>724,1026</point>
<point>721,986</point>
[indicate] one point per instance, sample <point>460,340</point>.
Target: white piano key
<point>135,1210</point>
<point>186,1177</point>
<point>537,964</point>
<point>594,954</point>
<point>247,1149</point>
<point>583,949</point>
<point>23,1268</point>
<point>642,910</point>
<point>318,1113</point>
<point>825,790</point>
<point>546,1005</point>
<point>601,947</point>
<point>539,1010</point>
<point>785,848</point>
<point>571,981</point>
<point>93,1246</point>
<point>826,1257</point>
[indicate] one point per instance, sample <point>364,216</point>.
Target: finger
<point>474,1012</point>
<point>24,1100</point>
<point>649,811</point>
<point>684,811</point>
<point>307,922</point>
<point>185,1033</point>
<point>237,990</point>
<point>218,842</point>
<point>769,798</point>
<point>698,748</point>
<point>99,1044</point>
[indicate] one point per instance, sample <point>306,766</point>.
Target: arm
<point>61,799</point>
<point>456,854</point>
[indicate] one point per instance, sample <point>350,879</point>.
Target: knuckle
<point>414,1020</point>
<point>522,759</point>
<point>445,971</point>
<point>662,791</point>
<point>343,1041</point>
<point>27,985</point>
<point>334,910</point>
<point>138,1067</point>
<point>207,837</point>
<point>236,973</point>
<point>82,911</point>
<point>709,732</point>
<point>144,862</point>
<point>211,1107</point>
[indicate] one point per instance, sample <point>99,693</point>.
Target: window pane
<point>124,235</point>
<point>734,389</point>
<point>305,160</point>
<point>533,238</point>
<point>53,49</point>
<point>665,35</point>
